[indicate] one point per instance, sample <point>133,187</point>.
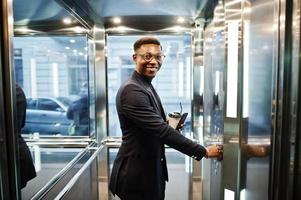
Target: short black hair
<point>146,40</point>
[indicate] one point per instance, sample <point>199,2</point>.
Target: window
<point>54,74</point>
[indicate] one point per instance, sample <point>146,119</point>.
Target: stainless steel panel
<point>296,99</point>
<point>231,160</point>
<point>197,105</point>
<point>259,48</point>
<point>101,107</point>
<point>209,65</point>
<point>214,66</point>
<point>286,158</point>
<point>100,81</point>
<point>246,116</point>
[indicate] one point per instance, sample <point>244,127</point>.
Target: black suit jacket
<point>78,111</point>
<point>27,170</point>
<point>140,170</point>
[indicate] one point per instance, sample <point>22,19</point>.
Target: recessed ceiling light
<point>23,30</point>
<point>72,41</point>
<point>78,29</point>
<point>181,19</point>
<point>117,20</point>
<point>67,20</point>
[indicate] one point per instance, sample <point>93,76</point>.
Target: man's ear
<point>134,57</point>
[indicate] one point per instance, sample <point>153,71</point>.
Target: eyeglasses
<point>149,57</point>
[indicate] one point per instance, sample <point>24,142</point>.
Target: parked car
<point>47,116</point>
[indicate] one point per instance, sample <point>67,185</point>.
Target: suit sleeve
<point>136,106</point>
<point>21,108</point>
<point>69,113</point>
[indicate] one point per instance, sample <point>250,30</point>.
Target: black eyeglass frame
<point>158,58</point>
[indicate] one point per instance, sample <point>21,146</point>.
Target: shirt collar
<point>143,78</point>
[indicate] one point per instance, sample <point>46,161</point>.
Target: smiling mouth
<point>152,68</point>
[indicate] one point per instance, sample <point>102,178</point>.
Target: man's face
<point>148,59</point>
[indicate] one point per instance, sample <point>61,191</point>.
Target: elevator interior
<point>233,65</point>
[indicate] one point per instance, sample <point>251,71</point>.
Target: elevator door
<point>239,59</point>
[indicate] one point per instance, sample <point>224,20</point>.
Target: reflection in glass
<point>91,51</point>
<point>48,162</point>
<point>260,53</point>
<point>53,72</point>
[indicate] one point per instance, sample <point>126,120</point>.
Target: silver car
<point>47,116</point>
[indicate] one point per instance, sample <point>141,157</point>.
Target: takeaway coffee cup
<point>174,119</point>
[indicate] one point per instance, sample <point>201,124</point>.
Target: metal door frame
<point>8,135</point>
<point>285,173</point>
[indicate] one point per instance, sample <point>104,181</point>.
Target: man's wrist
<point>207,153</point>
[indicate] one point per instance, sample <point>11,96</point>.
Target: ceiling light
<point>116,20</point>
<point>181,19</point>
<point>67,20</point>
<point>177,28</point>
<point>72,41</point>
<point>23,30</point>
<point>79,29</point>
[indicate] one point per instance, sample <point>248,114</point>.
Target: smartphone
<point>181,121</point>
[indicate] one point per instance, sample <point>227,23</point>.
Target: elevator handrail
<point>78,174</point>
<point>59,175</point>
<point>116,141</point>
<point>59,141</point>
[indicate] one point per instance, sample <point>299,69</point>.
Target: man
<point>27,170</point>
<point>78,111</point>
<point>140,171</point>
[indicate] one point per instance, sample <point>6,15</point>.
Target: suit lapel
<point>155,100</point>
<point>159,104</point>
<point>154,96</point>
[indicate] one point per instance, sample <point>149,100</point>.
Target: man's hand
<point>173,124</point>
<point>181,126</point>
<point>214,151</point>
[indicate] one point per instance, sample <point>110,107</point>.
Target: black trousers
<point>139,196</point>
